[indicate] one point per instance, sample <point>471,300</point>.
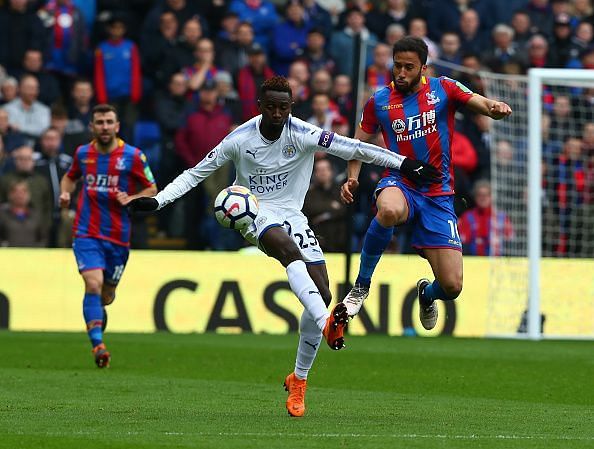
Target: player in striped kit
<point>416,116</point>
<point>111,172</point>
<point>273,155</point>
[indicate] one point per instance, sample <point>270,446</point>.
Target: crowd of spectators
<point>184,73</point>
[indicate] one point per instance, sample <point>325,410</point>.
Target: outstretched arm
<point>491,108</point>
<point>347,190</point>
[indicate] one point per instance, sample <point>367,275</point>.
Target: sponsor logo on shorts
<point>326,139</point>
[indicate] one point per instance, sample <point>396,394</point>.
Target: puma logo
<point>253,153</point>
<point>418,170</point>
<point>314,346</point>
<point>313,292</point>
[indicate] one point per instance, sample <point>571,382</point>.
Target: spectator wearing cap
<point>289,37</point>
<point>25,113</point>
<point>232,56</point>
<point>560,43</point>
<point>261,14</point>
<point>118,74</point>
<point>343,42</point>
<point>250,78</point>
<point>315,55</point>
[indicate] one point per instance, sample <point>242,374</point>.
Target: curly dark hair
<point>276,84</point>
<point>414,45</point>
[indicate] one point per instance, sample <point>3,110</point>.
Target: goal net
<point>542,179</point>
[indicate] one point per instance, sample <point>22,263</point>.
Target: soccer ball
<point>236,207</point>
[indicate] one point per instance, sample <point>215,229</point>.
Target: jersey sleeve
<point>141,171</point>
<point>456,90</point>
<point>346,148</point>
<point>191,177</point>
<point>369,123</point>
<point>74,172</point>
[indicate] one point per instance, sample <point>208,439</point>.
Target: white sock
<point>309,343</point>
<point>305,289</point>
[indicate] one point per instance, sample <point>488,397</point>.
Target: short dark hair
<point>414,45</point>
<point>276,84</point>
<point>104,109</point>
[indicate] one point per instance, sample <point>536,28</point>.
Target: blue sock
<point>376,241</point>
<point>434,291</point>
<point>93,313</point>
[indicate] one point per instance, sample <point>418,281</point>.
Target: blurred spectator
<point>19,224</point>
<point>389,12</point>
<point>289,38</point>
<point>583,10</point>
<point>315,55</point>
<point>10,138</point>
<point>379,73</point>
<point>563,124</point>
<point>24,170</point>
<point>444,14</point>
<point>541,16</point>
<point>250,78</point>
<point>465,161</point>
<point>343,42</point>
<point>522,27</point>
<point>342,95</point>
<point>157,47</point>
<point>560,44</point>
<point>418,28</point>
<point>503,50</point>
<point>202,131</point>
<point>185,47</point>
<point>78,108</point>
<point>118,76</point>
<point>261,14</point>
<point>68,40</point>
<point>538,52</point>
<point>581,40</point>
<point>483,230</point>
<point>322,116</point>
<point>183,10</point>
<point>203,68</point>
<point>318,15</point>
<point>588,152</point>
<point>569,185</point>
<point>321,82</point>
<point>325,213</point>
<point>25,113</point>
<point>449,51</point>
<point>228,96</point>
<point>299,81</point>
<point>472,39</point>
<point>231,55</point>
<point>49,89</point>
<point>563,8</point>
<point>20,30</point>
<point>9,90</point>
<point>52,164</point>
<point>394,33</point>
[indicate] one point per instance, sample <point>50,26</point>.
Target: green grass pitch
<point>225,391</point>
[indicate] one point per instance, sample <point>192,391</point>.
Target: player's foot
<point>427,314</point>
<point>296,400</point>
<point>354,300</point>
<point>334,330</point>
<point>102,356</point>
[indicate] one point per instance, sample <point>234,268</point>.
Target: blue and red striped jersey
<point>99,214</point>
<point>419,125</point>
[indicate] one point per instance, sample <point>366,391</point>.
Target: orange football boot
<point>334,330</point>
<point>296,400</point>
<point>102,356</point>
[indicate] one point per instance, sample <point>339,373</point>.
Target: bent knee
<point>452,288</point>
<point>391,215</point>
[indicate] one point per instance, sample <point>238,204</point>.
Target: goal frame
<point>536,79</point>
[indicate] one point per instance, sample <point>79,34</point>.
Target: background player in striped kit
<point>416,116</point>
<point>110,171</point>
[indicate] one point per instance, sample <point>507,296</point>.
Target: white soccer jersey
<point>277,172</point>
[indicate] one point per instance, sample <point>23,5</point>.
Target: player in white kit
<point>273,155</point>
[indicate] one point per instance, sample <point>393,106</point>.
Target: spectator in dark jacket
<point>289,38</point>
<point>250,78</point>
<point>19,26</point>
<point>49,89</point>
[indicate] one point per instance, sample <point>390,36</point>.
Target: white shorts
<point>294,223</point>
